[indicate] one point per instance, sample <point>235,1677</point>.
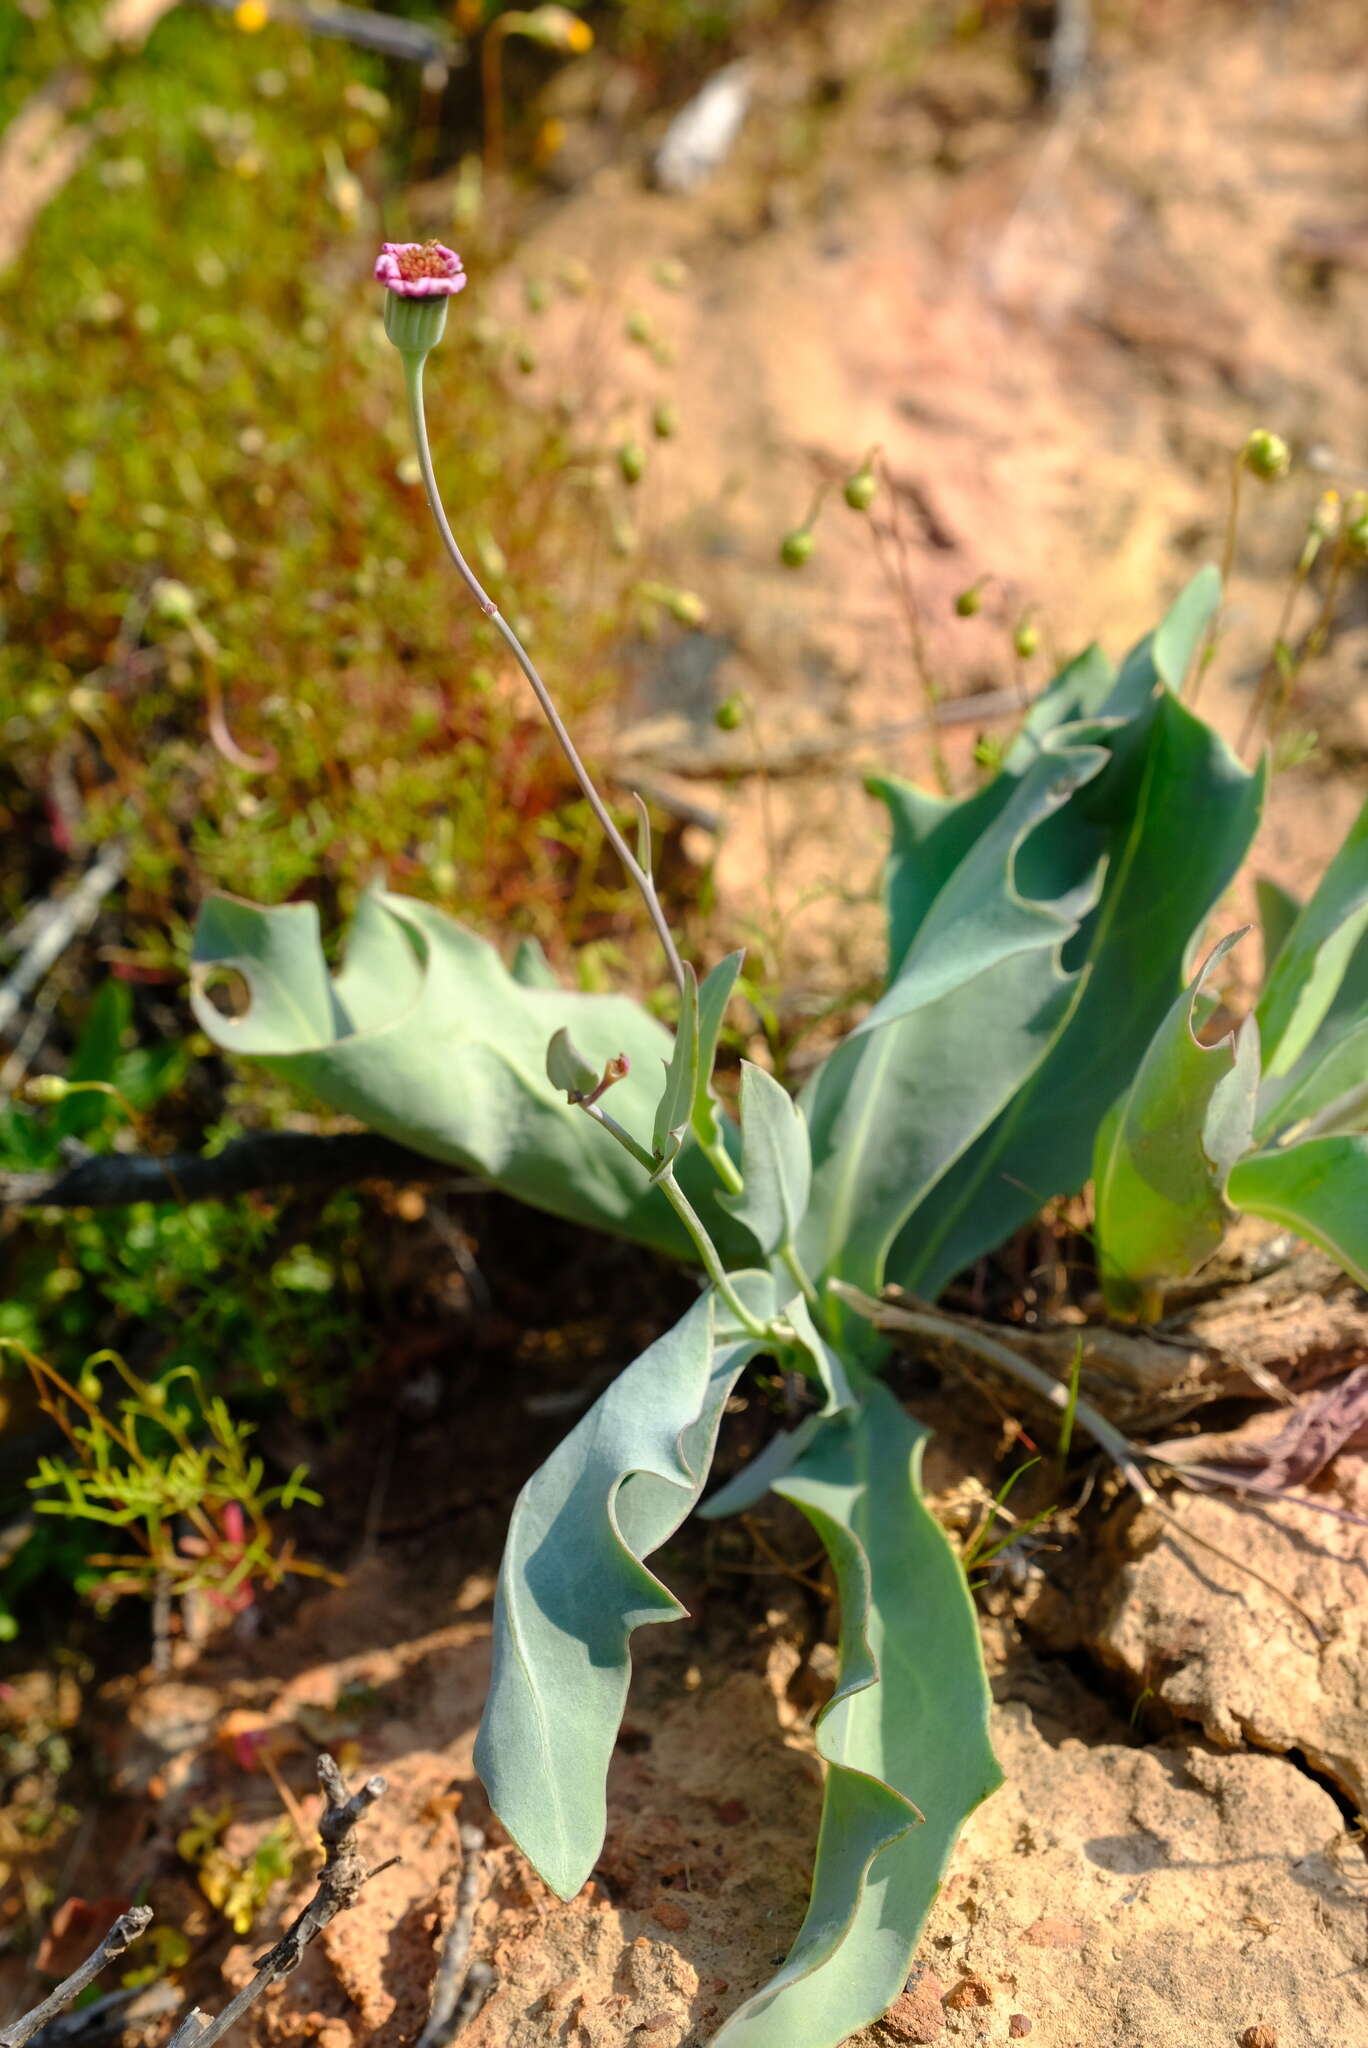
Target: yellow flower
<point>251,16</point>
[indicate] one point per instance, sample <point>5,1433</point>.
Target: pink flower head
<point>420,270</point>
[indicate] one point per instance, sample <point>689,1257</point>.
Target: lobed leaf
<point>1164,1151</point>
<point>1177,813</point>
<point>898,1103</point>
<point>1319,1189</point>
<point>426,1036</point>
<point>904,1737</point>
<point>573,1584</point>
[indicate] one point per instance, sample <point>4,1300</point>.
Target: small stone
<point>1053,1932</point>
<point>917,2016</point>
<point>1259,2036</point>
<point>1018,2026</point>
<point>969,1992</point>
<point>669,1915</point>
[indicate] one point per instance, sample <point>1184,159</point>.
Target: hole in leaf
<point>228,990</point>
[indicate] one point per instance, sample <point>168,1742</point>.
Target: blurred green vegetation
<point>196,387</point>
<point>228,639</point>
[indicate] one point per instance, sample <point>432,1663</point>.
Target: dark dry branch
<point>339,1886</point>
<point>264,1163</point>
<point>456,1974</point>
<point>121,1935</point>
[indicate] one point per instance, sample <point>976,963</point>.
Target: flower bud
<point>1026,639</point>
<point>664,421</point>
<point>796,547</point>
<point>47,1088</point>
<point>687,608</point>
<point>555,28</point>
<point>631,458</point>
<point>730,713</point>
<point>860,489</point>
<point>969,601</point>
<point>173,602</point>
<point>1266,455</point>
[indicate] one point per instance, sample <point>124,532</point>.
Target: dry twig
<point>121,1936</point>
<point>339,1886</point>
<point>457,1977</point>
<point>264,1163</point>
<point>54,928</point>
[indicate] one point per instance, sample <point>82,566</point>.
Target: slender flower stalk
<point>418,295</point>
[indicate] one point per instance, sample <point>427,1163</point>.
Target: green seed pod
<point>969,601</point>
<point>1026,639</point>
<point>1267,456</point>
<point>536,296</point>
<point>796,547</point>
<point>664,421</point>
<point>632,462</point>
<point>525,357</point>
<point>730,713</point>
<point>640,330</point>
<point>687,608</point>
<point>860,489</point>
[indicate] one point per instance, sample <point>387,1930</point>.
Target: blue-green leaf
<point>713,996</point>
<point>776,1162</point>
<point>426,1036</point>
<point>825,1362</point>
<point>1020,887</point>
<point>1164,1151</point>
<point>1179,633</point>
<point>898,1103</point>
<point>905,1736</point>
<point>1165,655</point>
<point>1162,877</point>
<point>1319,1189</point>
<point>531,967</point>
<point>568,1071</point>
<point>932,835</point>
<point>676,1104</point>
<point>754,1480</point>
<point>1278,912</point>
<point>1329,1083</point>
<point>1315,955</point>
<point>573,1585</point>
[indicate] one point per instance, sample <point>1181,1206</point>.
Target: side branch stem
<point>707,1252</point>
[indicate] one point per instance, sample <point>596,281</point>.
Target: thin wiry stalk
<point>641,878</point>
